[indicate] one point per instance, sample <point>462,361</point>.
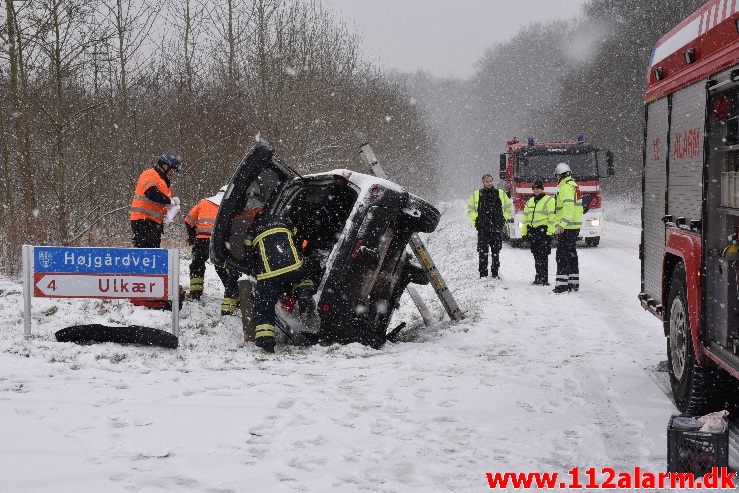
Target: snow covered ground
<point>529,381</point>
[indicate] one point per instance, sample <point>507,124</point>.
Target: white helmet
<point>562,168</point>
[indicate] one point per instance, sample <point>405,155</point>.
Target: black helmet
<point>538,184</point>
<point>172,160</point>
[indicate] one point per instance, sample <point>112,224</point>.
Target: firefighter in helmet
<point>277,263</point>
<point>538,228</point>
<point>151,200</point>
<point>568,220</point>
<point>489,209</point>
<point>199,224</point>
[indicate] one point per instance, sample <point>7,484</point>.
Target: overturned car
<point>355,229</point>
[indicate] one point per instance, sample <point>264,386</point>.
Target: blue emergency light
<point>580,138</point>
<point>531,141</point>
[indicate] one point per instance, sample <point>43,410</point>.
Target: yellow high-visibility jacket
<point>474,202</point>
<point>569,204</point>
<point>538,214</point>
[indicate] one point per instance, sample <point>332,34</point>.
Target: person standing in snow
<point>489,208</point>
<point>152,200</point>
<point>538,228</point>
<point>568,219</point>
<point>199,224</point>
<point>276,257</point>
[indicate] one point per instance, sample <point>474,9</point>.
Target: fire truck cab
<point>523,163</point>
<point>690,204</point>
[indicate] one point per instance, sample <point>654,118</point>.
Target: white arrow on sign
<point>99,286</point>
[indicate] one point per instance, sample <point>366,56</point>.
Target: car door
<point>257,182</point>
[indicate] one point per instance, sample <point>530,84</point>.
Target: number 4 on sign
<point>52,285</point>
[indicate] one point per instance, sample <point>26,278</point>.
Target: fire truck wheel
<point>593,241</point>
<point>694,388</point>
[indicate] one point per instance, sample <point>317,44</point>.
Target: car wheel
<point>694,388</point>
<point>593,241</point>
<point>426,220</point>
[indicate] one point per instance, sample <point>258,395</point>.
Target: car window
<point>321,212</point>
<point>261,189</point>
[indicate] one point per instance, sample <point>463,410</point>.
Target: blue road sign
<point>150,261</point>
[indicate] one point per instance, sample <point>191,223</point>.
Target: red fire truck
<point>690,203</point>
<point>524,163</point>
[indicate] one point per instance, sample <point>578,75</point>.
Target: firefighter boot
<point>574,282</point>
<point>196,288</point>
<point>267,343</point>
<point>265,337</point>
<point>561,286</point>
<point>229,306</point>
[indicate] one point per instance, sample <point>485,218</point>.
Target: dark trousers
<point>540,243</point>
<point>568,267</point>
<point>492,241</point>
<point>146,233</point>
<point>266,293</point>
<point>229,277</point>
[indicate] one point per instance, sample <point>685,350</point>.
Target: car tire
<point>592,241</point>
<point>695,389</point>
<point>426,222</point>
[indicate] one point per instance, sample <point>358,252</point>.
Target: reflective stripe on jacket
<point>202,217</point>
<point>569,204</point>
<point>141,206</point>
<point>538,214</point>
<point>474,202</point>
<point>274,247</point>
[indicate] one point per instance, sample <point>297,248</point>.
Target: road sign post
<point>108,273</point>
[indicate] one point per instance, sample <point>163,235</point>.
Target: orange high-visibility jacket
<point>202,217</point>
<point>143,208</point>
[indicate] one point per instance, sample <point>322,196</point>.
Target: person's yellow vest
<point>540,213</point>
<point>569,204</point>
<point>474,202</point>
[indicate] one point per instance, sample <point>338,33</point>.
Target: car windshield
<point>542,166</point>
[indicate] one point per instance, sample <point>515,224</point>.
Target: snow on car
<point>355,229</point>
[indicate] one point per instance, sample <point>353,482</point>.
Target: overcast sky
<point>444,37</point>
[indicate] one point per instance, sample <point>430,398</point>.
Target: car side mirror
<point>503,161</point>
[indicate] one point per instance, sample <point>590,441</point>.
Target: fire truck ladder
<point>421,253</point>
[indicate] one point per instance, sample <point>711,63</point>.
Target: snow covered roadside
<point>530,381</point>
